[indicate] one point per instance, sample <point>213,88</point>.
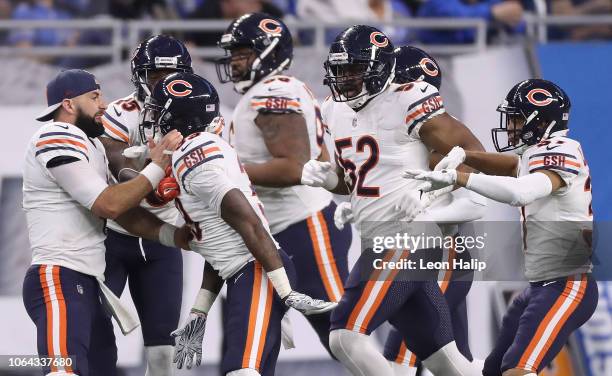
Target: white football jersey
<point>377,143</point>
<point>279,94</point>
<point>557,227</point>
<point>61,230</point>
<point>121,121</point>
<point>206,168</point>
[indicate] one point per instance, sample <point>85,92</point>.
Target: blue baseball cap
<point>67,84</point>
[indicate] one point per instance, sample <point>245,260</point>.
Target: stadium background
<point>566,46</point>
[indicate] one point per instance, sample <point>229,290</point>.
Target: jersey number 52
<point>357,176</point>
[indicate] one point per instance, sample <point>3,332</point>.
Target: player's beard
<point>88,124</point>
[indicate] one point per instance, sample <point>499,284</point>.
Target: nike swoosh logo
<point>62,126</point>
<point>117,112</point>
<point>423,89</point>
<point>184,147</point>
<point>548,283</point>
<point>239,275</point>
<point>550,148</point>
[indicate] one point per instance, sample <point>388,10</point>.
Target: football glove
<point>319,174</point>
<point>343,215</point>
<point>167,189</point>
<point>433,180</point>
<point>189,340</point>
<point>307,305</point>
<point>409,206</point>
<point>452,160</point>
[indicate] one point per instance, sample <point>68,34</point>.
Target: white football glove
<point>343,215</point>
<point>452,160</point>
<point>433,179</point>
<point>319,174</point>
<point>189,340</point>
<point>409,207</point>
<point>307,305</point>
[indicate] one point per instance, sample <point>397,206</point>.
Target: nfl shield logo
<point>354,122</point>
<point>79,289</point>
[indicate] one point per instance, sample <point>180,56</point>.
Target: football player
<point>67,197</point>
<point>379,127</point>
<point>413,64</point>
<point>231,233</point>
<point>154,271</point>
<point>276,128</point>
<point>550,181</point>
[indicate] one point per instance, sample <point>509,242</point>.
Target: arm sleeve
<point>80,181</point>
<point>210,183</point>
<point>513,191</point>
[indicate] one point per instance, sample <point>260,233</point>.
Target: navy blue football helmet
<point>183,101</point>
<point>158,52</point>
<point>414,64</point>
<point>270,40</point>
<point>542,106</point>
<point>360,65</point>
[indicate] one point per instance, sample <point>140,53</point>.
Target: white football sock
<point>358,354</point>
<point>448,361</point>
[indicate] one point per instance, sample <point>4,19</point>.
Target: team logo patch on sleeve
<point>195,156</point>
<point>554,161</point>
<point>276,104</point>
<point>424,109</point>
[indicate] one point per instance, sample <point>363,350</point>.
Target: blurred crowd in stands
<point>502,15</point>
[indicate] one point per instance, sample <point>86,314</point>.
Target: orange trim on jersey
<point>266,322</point>
<point>61,141</point>
<point>365,295</point>
<point>557,326</point>
<point>449,272</point>
<point>536,162</point>
<point>414,115</point>
<point>42,273</point>
<point>566,162</point>
<point>210,150</point>
<point>318,252</point>
<point>252,314</point>
<point>180,169</point>
<point>117,133</point>
<point>63,321</point>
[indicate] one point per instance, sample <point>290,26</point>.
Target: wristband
<point>204,301</point>
<point>280,281</point>
<point>153,173</point>
<point>166,235</point>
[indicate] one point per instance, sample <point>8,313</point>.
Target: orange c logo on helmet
<point>540,102</point>
<point>432,72</point>
<point>375,41</point>
<point>175,92</point>
<point>276,27</point>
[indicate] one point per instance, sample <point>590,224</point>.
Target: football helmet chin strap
<point>242,86</point>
